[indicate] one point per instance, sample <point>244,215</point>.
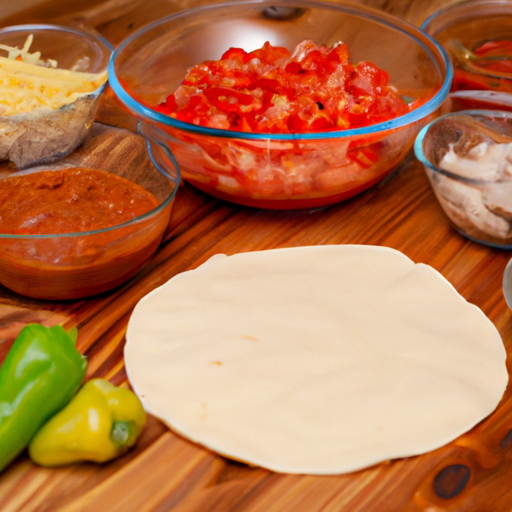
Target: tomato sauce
<point>69,201</point>
<point>63,256</point>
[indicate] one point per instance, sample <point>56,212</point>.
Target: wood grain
<point>166,472</point>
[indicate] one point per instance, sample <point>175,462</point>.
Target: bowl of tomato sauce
<point>294,104</point>
<point>87,223</point>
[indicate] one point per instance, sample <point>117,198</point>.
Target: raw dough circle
<point>316,360</point>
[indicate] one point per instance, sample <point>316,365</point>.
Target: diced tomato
<point>270,54</point>
<point>339,54</point>
<point>271,90</point>
<point>294,68</point>
<point>169,105</point>
<point>237,54</point>
<point>230,100</point>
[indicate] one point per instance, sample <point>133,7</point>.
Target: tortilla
<point>314,360</point>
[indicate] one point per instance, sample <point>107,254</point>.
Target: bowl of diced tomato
<point>289,104</point>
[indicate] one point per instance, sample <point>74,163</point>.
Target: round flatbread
<point>316,360</point>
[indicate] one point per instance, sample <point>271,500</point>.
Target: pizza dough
<point>317,360</point>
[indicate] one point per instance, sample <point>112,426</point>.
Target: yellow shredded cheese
<point>14,52</point>
<point>28,83</point>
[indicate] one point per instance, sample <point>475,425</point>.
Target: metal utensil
<point>472,62</point>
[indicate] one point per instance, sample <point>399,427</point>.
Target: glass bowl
<point>44,134</point>
<point>477,36</point>
<point>298,170</point>
<point>464,154</point>
<point>84,263</point>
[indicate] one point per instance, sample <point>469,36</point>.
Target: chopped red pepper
<point>271,90</point>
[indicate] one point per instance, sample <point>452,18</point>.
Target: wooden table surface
<point>166,472</point>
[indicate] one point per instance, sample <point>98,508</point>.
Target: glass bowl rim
<point>57,28</point>
<point>466,6</point>
<point>454,7</point>
<point>30,27</point>
<point>362,11</point>
<point>136,220</point>
<point>420,155</point>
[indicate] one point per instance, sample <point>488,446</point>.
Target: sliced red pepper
<point>465,80</point>
<point>502,47</point>
<point>495,55</point>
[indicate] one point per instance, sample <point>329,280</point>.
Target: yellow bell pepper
<point>100,423</point>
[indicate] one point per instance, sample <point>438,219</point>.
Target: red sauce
<point>78,200</point>
<point>70,201</point>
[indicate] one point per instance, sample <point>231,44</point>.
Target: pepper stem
<point>121,432</point>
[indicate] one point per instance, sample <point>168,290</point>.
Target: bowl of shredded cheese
<point>51,78</point>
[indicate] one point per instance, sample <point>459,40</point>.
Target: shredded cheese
<point>28,83</point>
<point>33,58</point>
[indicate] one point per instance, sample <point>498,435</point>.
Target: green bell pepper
<point>39,376</point>
<point>100,423</point>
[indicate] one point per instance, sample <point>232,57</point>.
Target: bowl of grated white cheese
<point>51,78</point>
<point>467,156</point>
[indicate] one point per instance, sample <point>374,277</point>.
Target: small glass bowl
<point>45,135</point>
<point>81,264</point>
<point>462,28</point>
<point>475,193</point>
<point>279,170</point>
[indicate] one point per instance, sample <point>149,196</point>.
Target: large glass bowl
<point>279,170</point>
<point>79,264</point>
<point>44,134</point>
